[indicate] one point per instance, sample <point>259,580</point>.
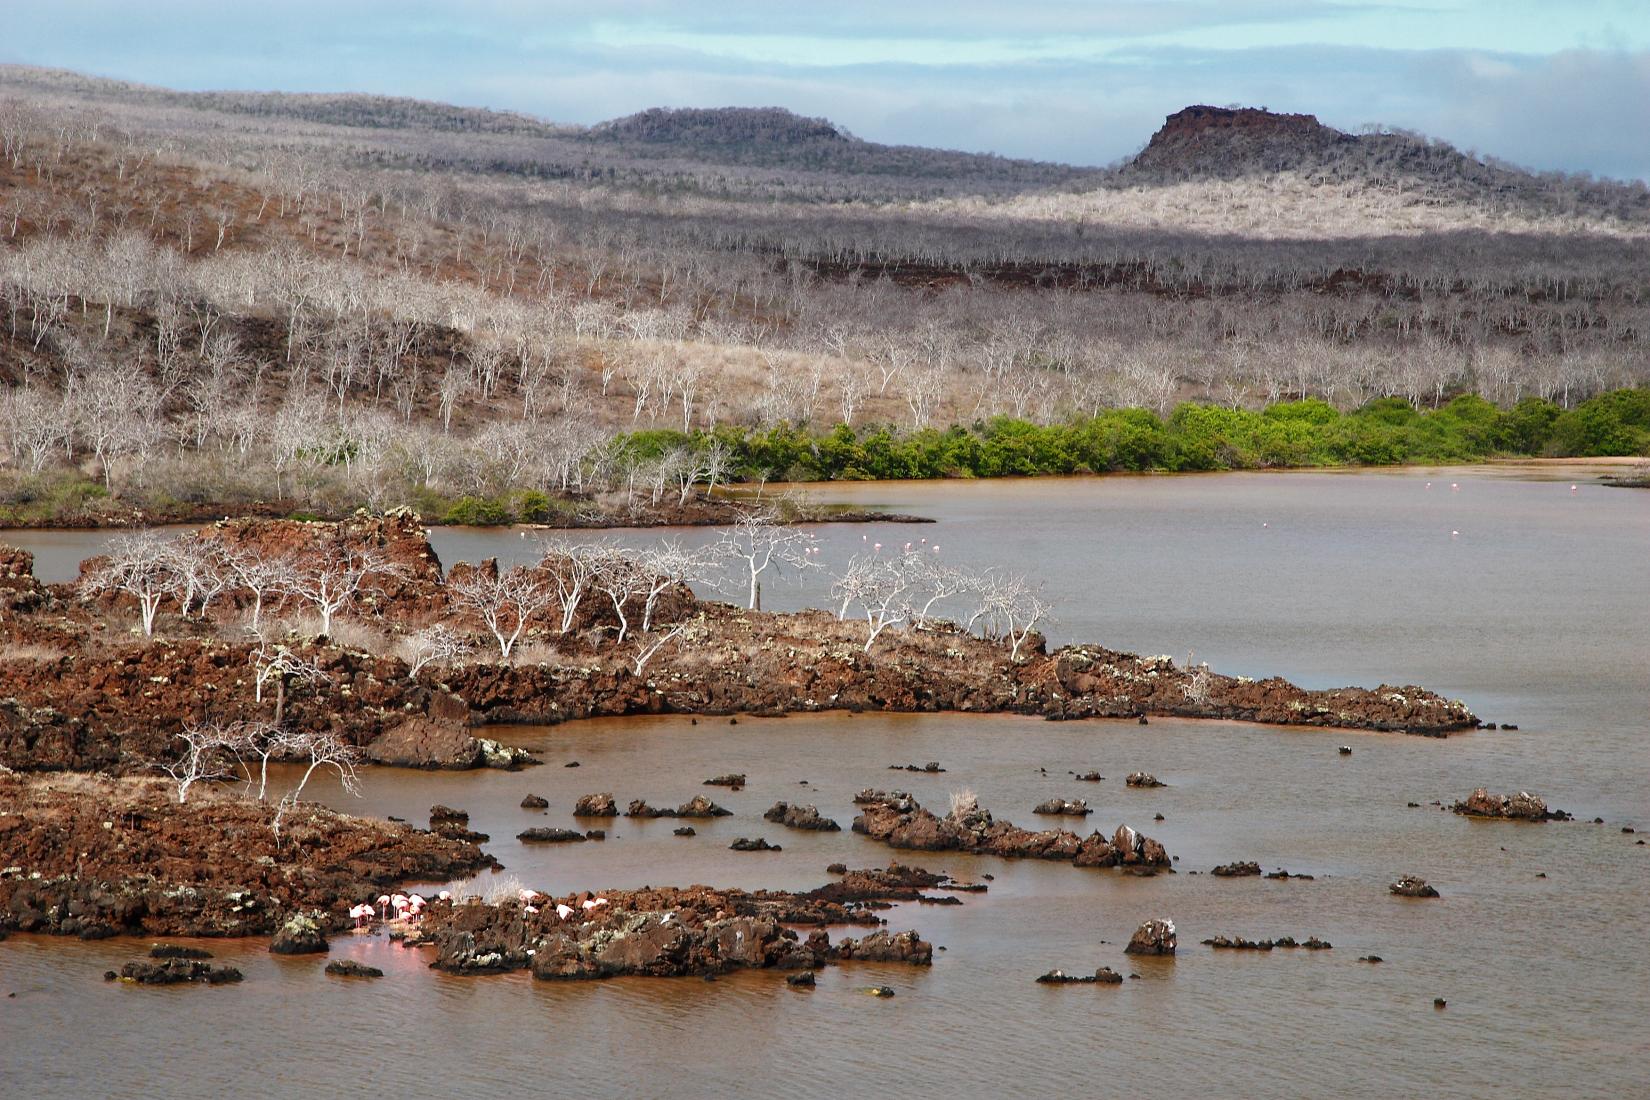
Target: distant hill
<point>1228,143</point>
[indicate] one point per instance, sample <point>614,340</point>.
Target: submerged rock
<point>800,817</point>
<point>804,980</point>
<point>1090,777</point>
<point>550,836</point>
<point>745,844</point>
<point>300,935</point>
<point>174,972</point>
<point>1143,779</point>
<point>733,781</point>
<point>1153,937</point>
<point>1412,886</point>
<point>1104,976</point>
<point>349,968</point>
<point>535,802</point>
<point>685,830</point>
<point>930,768</point>
<point>900,822</point>
<point>1237,870</point>
<point>596,805</point>
<point>1077,808</point>
<point>886,946</point>
<point>177,951</point>
<point>1522,806</point>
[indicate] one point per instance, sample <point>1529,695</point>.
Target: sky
<point>1549,84</point>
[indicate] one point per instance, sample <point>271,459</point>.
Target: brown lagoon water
<point>1536,612</point>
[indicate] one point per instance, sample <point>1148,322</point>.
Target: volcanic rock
<point>301,934</point>
<point>1412,887</point>
<point>800,817</point>
<point>1154,937</point>
<point>596,805</point>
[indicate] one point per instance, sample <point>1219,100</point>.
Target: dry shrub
<point>29,651</point>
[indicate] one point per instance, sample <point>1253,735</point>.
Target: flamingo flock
<point>410,907</point>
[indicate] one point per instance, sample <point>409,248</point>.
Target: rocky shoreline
<point>81,690</point>
<point>94,857</point>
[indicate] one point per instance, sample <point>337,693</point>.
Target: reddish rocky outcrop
<point>82,691</point>
<point>663,932</point>
<point>900,822</point>
<point>1153,937</point>
<point>93,857</point>
<point>1522,806</point>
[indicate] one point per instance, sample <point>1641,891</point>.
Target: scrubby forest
<point>312,303</point>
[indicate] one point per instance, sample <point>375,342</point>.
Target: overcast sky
<point>1545,83</point>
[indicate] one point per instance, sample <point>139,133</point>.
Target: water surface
<point>1529,601</point>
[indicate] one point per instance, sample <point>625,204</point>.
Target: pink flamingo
<point>361,914</point>
<point>445,895</point>
<point>1573,489</point>
<point>1455,487</point>
<point>529,909</point>
<point>384,906</point>
<point>564,911</point>
<point>416,903</point>
<point>398,902</point>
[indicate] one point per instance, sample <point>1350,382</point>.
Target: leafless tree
<point>142,565</point>
<point>507,601</point>
<point>436,644</point>
<point>648,644</point>
<point>571,569</point>
<point>759,542</point>
<point>274,663</point>
<point>331,580</point>
<point>205,757</point>
<point>266,576</point>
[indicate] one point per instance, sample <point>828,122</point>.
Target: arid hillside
<point>351,299</point>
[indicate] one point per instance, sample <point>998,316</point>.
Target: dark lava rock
<point>885,946</point>
<point>800,817</point>
<point>596,805</point>
<point>1412,887</point>
<point>734,781</point>
<point>1370,959</point>
<point>1104,976</point>
<point>174,972</point>
<point>930,768</point>
<point>1143,779</point>
<point>880,990</point>
<point>571,764</point>
<point>1153,937</point>
<point>1238,943</point>
<point>176,951</point>
<point>1237,870</point>
<point>1090,777</point>
<point>1078,808</point>
<point>1281,874</point>
<point>595,834</point>
<point>535,802</point>
<point>300,935</point>
<point>697,806</point>
<point>686,830</point>
<point>549,836</point>
<point>349,968</point>
<point>836,869</point>
<point>1345,750</point>
<point>745,844</point>
<point>804,980</point>
<point>1439,1002</point>
<point>1522,806</point>
<point>441,815</point>
<point>454,825</point>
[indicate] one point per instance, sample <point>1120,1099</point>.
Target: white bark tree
<point>758,542</point>
<point>142,565</point>
<point>507,601</point>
